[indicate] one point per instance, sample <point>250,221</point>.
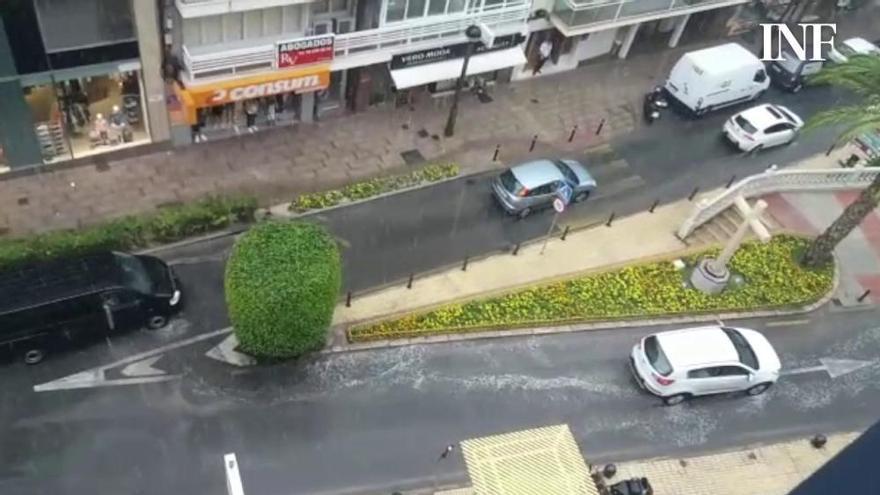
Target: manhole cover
<point>413,157</point>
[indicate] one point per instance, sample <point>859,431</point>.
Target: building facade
<point>78,78</point>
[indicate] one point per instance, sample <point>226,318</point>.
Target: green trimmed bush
<point>168,224</point>
<point>373,187</point>
<point>772,278</point>
<point>282,283</point>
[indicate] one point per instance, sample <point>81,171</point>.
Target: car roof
<point>41,283</point>
<point>696,347</point>
<point>722,57</point>
<point>536,173</point>
<point>761,117</point>
<point>860,45</point>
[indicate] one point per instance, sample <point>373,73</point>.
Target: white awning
<point>451,69</point>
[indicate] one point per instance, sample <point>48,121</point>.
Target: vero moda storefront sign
<point>430,56</point>
<point>806,45</point>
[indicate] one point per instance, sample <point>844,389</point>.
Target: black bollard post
<point>348,300</point>
<point>495,155</point>
<point>565,232</point>
<point>864,295</point>
<point>653,206</point>
<point>464,266</point>
<point>830,149</point>
<point>693,193</point>
<point>610,219</point>
<point>409,282</point>
<point>516,249</point>
<point>730,182</point>
<point>601,125</point>
<point>534,140</point>
<point>573,131</point>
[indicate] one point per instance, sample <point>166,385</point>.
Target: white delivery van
<point>711,78</point>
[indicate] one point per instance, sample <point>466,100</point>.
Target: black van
<point>791,73</point>
<point>47,305</point>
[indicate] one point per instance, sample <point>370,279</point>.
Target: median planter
<point>768,276</point>
<point>360,191</point>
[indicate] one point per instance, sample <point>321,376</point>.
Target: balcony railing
<point>357,48</point>
<point>575,14</point>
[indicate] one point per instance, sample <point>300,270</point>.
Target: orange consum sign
<point>292,81</point>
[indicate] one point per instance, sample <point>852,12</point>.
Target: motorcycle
<point>654,101</point>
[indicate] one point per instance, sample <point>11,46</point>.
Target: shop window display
<point>80,117</point>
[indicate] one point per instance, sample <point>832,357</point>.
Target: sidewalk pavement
<point>603,248</point>
<point>277,164</point>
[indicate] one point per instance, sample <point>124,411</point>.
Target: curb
<point>230,231</point>
<point>599,325</point>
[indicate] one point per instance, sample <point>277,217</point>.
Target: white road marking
<point>233,477</point>
<point>95,377</point>
<point>787,323</point>
<point>143,368</point>
<point>834,367</point>
<point>225,352</point>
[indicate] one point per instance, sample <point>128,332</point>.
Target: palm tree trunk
<point>820,250</point>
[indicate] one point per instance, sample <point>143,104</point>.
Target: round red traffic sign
<point>558,205</point>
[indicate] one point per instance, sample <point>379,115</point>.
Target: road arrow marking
<point>143,368</point>
<point>834,367</point>
<point>95,377</point>
<point>225,352</point>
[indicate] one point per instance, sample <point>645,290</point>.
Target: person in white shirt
<point>545,49</point>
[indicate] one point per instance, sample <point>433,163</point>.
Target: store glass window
<point>321,7</point>
<point>416,8</point>
<point>79,117</point>
<point>68,24</point>
<point>339,5</point>
<point>396,10</point>
<point>456,6</point>
<point>436,7</point>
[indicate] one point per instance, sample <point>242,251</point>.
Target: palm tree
<point>860,74</point>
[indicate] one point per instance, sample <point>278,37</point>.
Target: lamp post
<point>473,34</point>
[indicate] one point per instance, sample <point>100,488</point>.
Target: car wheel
<point>759,94</point>
<point>676,399</point>
<point>524,213</point>
<point>34,356</point>
<point>757,148</point>
<point>581,197</point>
<point>758,389</point>
<point>156,322</point>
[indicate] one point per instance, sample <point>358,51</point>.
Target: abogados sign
<point>305,51</point>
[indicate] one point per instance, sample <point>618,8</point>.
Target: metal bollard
<point>516,249</point>
<point>830,149</point>
<point>348,300</point>
<point>693,193</point>
<point>565,232</point>
<point>464,266</point>
<point>573,131</point>
<point>730,182</point>
<point>610,219</point>
<point>653,206</point>
<point>409,282</point>
<point>864,295</point>
<point>495,155</point>
<point>534,140</point>
<point>601,125</point>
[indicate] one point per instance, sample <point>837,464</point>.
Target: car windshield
<point>656,357</point>
<point>134,275</point>
<point>845,50</point>
<point>745,124</point>
<point>508,180</point>
<point>788,116</point>
<point>569,174</point>
<point>789,62</point>
<point>743,349</point>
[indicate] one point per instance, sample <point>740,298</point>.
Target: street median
<point>765,277</point>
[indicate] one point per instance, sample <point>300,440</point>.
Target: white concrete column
<point>307,107</point>
<point>628,40</point>
<point>146,20</point>
<point>675,37</point>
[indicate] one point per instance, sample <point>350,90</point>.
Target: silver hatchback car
<point>532,185</point>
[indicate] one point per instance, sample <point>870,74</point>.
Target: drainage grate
<point>23,201</point>
<point>413,157</point>
<point>423,133</point>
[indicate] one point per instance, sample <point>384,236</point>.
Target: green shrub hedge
<point>771,276</point>
<point>372,187</point>
<point>282,283</point>
<point>168,224</point>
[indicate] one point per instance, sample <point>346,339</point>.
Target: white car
<point>841,52</point>
<point>680,364</point>
<point>763,126</point>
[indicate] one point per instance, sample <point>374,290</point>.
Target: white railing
<point>773,181</point>
<point>428,33</point>
<point>576,14</point>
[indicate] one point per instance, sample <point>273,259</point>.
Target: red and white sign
<point>305,51</point>
<point>558,205</point>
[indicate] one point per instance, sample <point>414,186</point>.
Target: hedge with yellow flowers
<point>771,278</point>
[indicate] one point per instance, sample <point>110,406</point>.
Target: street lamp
<point>473,34</point>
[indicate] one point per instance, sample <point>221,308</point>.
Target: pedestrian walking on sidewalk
<point>250,113</point>
<point>544,52</point>
<point>270,112</point>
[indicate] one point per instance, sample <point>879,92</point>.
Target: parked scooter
<point>654,101</point>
